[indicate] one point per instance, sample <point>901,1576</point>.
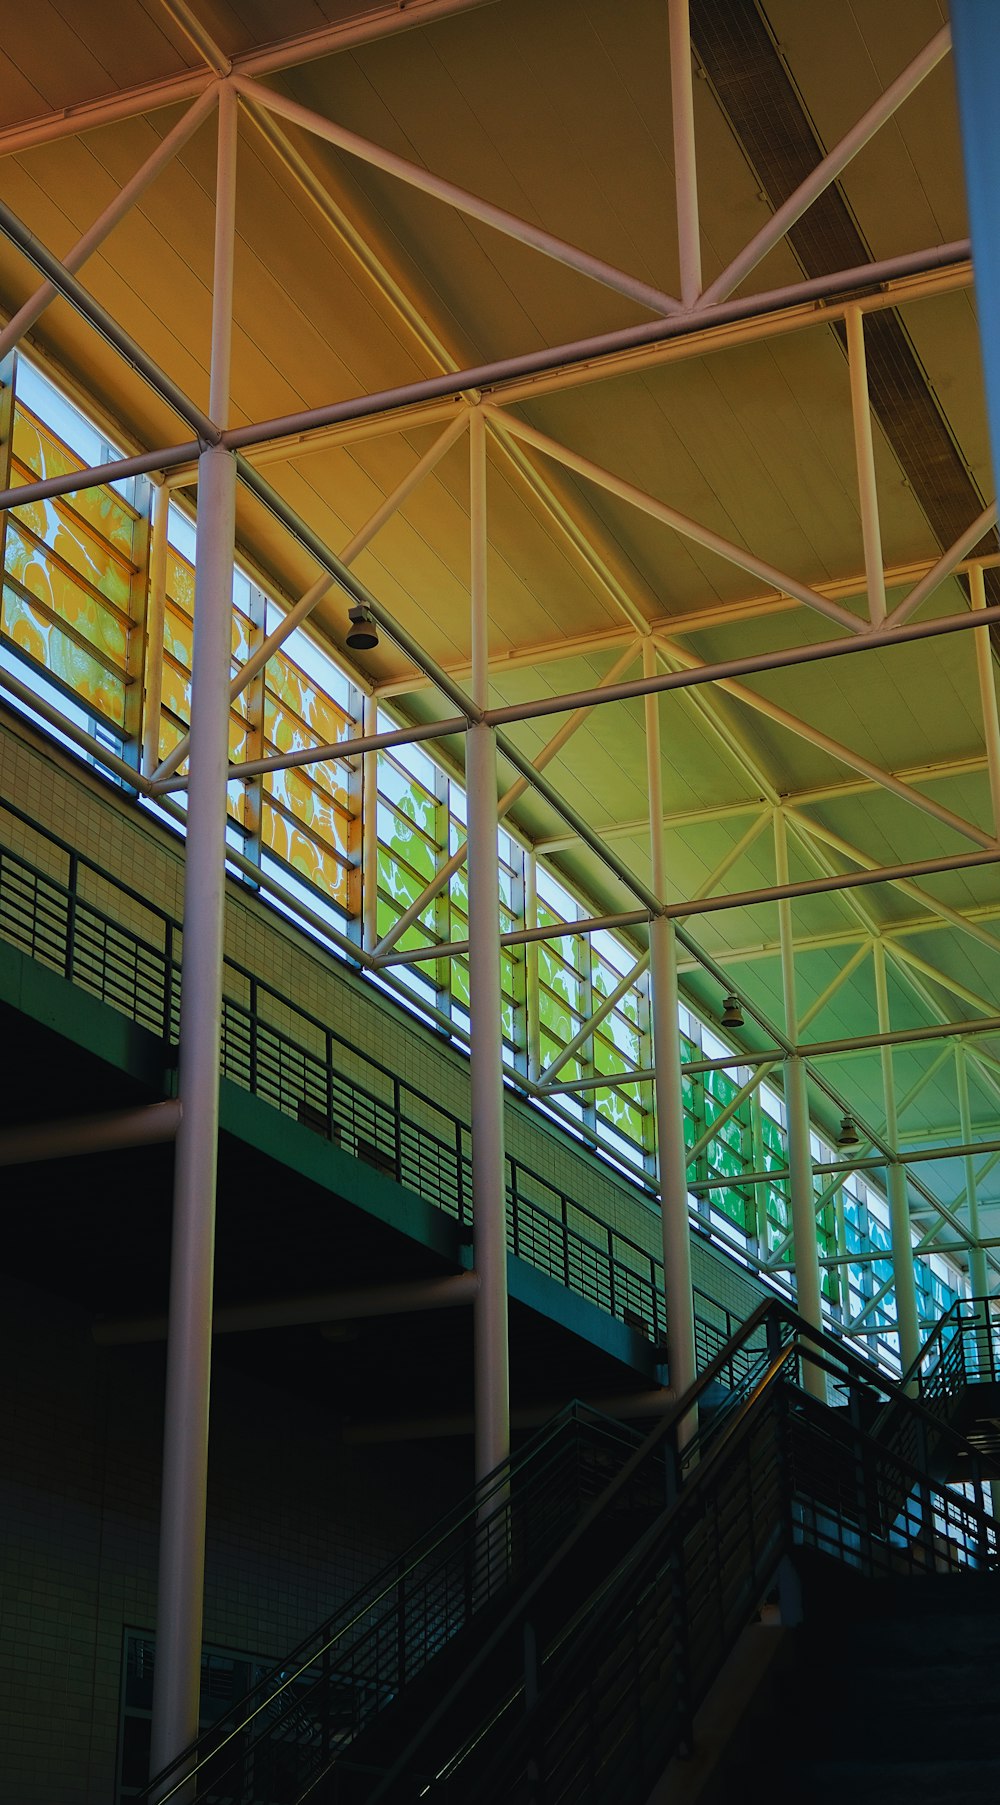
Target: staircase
<point>958,1372</point>
<point>555,1640</point>
<point>364,1665</point>
<point>888,1694</point>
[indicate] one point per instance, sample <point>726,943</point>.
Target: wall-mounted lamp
<point>362,634</point>
<point>848,1136</point>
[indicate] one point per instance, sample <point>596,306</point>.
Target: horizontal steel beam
<point>404,1298</point>
<point>69,1137</point>
<point>783,658</point>
<point>263,59</point>
<point>626,1404</point>
<point>902,1037</point>
<point>871,1162</point>
<point>491,376</point>
<point>339,749</point>
<point>101,320</point>
<point>70,482</point>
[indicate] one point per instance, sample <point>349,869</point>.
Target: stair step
<point>886,1732</point>
<point>949,1782</point>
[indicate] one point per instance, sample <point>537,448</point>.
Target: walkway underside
<point>298,1219</point>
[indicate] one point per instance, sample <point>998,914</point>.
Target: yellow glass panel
<point>57,591</point>
<point>178,636</point>
<point>241,637</point>
<point>291,692</point>
<point>170,733</point>
<point>176,692</point>
<point>42,454</point>
<point>304,856</point>
<point>239,733</point>
<point>300,798</point>
<point>39,636</point>
<point>86,555</point>
<point>178,625</point>
<point>330,776</point>
<point>180,581</point>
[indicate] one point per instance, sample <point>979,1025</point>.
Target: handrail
<point>657,1435</point>
<point>294,1665</point>
<point>915,1367</point>
<point>620,1275</point>
<point>497,1482</point>
<point>596,1625</point>
<point>788,1339</point>
<point>829,1354</point>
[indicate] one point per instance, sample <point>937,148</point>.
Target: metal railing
<point>129,957</point>
<point>599,1710</point>
<point>309,1710</point>
<point>963,1349</point>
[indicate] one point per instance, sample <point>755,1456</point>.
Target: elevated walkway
<point>368,1174</point>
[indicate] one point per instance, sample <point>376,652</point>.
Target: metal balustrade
<point>317,1077</point>
<point>963,1349</point>
<point>598,1708</point>
<point>308,1712</point>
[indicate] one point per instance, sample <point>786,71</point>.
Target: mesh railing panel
<point>373,1115</point>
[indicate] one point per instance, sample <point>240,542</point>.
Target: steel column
<point>155,618</point>
<point>489,1189</point>
<point>685,158</point>
<point>800,1170</point>
<point>189,1342</point>
<point>907,1309</point>
<point>865,454</point>
<point>667,1085</point>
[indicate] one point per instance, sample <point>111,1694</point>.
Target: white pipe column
<point>667,1082</point>
<point>531,993</point>
<point>907,1310</point>
<point>987,691</point>
<point>489,1189</point>
<point>685,156</point>
<point>865,453</point>
<point>189,1340</point>
<point>800,1172</point>
<point>156,607</point>
<point>978,1271</point>
<point>369,832</point>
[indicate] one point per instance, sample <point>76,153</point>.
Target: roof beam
<point>680,523</point>
<point>643,294</point>
<point>185,84</point>
<point>829,168</point>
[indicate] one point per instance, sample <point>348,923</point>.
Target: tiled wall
<point>296,1524</point>
<point>84,810</point>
